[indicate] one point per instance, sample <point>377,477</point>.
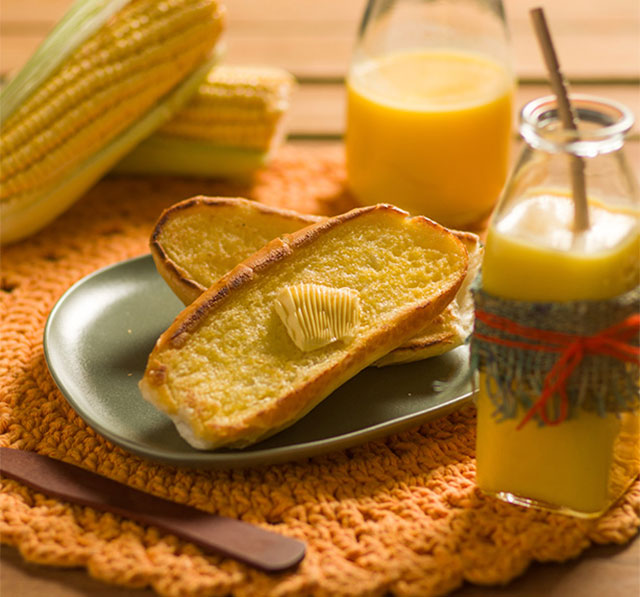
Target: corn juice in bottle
<point>578,460</point>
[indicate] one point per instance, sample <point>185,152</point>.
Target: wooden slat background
<point>598,44</point>
<point>597,39</point>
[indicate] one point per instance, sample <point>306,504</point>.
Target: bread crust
<point>293,404</point>
<point>186,288</point>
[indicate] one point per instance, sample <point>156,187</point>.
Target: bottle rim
<point>538,116</point>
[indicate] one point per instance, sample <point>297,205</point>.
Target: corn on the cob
<point>70,115</point>
<point>227,129</point>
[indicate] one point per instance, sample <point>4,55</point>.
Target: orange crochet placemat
<point>398,516</point>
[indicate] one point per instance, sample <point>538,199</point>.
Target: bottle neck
<point>601,126</point>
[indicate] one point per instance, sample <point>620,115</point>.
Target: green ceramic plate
<point>101,331</point>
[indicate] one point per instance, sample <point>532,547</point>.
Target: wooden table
<point>599,47</point>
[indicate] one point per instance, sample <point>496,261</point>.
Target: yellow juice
<point>583,464</point>
<point>429,131</point>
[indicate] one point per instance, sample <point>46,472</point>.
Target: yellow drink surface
<point>429,131</point>
<point>583,464</point>
<point>532,254</point>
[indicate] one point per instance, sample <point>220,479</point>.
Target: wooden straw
<point>578,186</point>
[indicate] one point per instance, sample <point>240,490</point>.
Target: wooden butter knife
<point>263,549</point>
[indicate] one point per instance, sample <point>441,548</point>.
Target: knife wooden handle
<point>246,542</point>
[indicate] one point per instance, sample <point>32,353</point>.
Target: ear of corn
<point>228,129</point>
<point>236,106</point>
<point>19,220</point>
<point>66,121</point>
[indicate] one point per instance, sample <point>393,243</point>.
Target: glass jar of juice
<point>429,108</point>
<point>557,319</point>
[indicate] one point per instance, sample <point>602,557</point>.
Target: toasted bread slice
<point>198,240</point>
<point>227,370</point>
<point>453,325</point>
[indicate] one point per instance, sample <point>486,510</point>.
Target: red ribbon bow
<point>612,341</point>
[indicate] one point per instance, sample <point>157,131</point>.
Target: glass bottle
<point>557,312</point>
<point>429,108</point>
